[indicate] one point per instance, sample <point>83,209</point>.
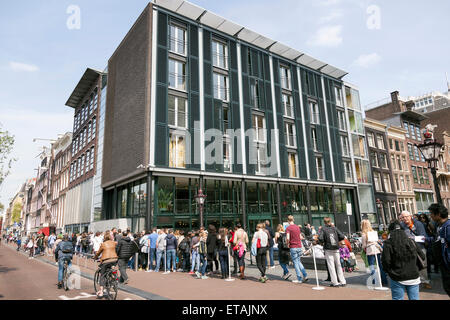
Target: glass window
<point>414,172</point>
<point>387,183</point>
<point>362,171</point>
<point>405,167</point>
<point>220,54</point>
<point>341,120</point>
<point>254,90</point>
<point>177,112</point>
<point>410,151</point>
<point>416,152</point>
<point>288,106</point>
<point>356,122</point>
<point>348,172</point>
<point>406,127</point>
<point>285,77</point>
<point>396,182</point>
<point>413,132</point>
<point>259,125</point>
<point>94,127</point>
<point>374,159</point>
<point>92,158</point>
<point>220,86</point>
<point>261,159</point>
<point>402,183</point>
<point>399,163</point>
<point>177,39</point>
<point>226,118</point>
<point>177,75</point>
<point>391,145</point>
<point>345,146</point>
<point>380,142</point>
<point>314,110</point>
<point>426,176</point>
<point>371,140</point>
<point>377,182</point>
<point>383,161</point>
<point>402,146</point>
<point>176,151</point>
<point>359,148</point>
<point>227,157</point>
<point>314,139</point>
<point>419,136</point>
<point>289,134</point>
<point>292,158</point>
<point>320,168</point>
<point>408,183</point>
<point>338,94</point>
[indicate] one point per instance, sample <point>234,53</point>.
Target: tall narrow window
<point>92,158</point>
<point>410,151</point>
<point>371,140</point>
<point>402,183</point>
<point>383,161</point>
<point>220,86</point>
<point>226,118</point>
<point>82,165</point>
<point>292,158</point>
<point>387,183</point>
<point>227,156</point>
<point>289,133</point>
<point>259,125</point>
<point>88,160</point>
<point>342,122</point>
<point>320,168</point>
<point>261,158</point>
<point>220,54</point>
<point>94,127</point>
<point>374,159</point>
<point>288,106</point>
<point>419,137</point>
<point>285,77</point>
<point>177,39</point>
<point>421,179</point>
<point>345,146</point>
<point>380,142</point>
<point>348,172</point>
<point>314,110</point>
<point>177,75</point>
<point>89,128</point>
<point>254,90</point>
<point>414,173</point>
<point>314,139</point>
<point>377,182</point>
<point>338,93</point>
<point>176,151</point>
<point>416,153</point>
<point>406,127</point>
<point>177,108</point>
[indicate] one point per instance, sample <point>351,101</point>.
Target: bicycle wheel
<point>112,287</point>
<point>97,280</point>
<point>66,276</point>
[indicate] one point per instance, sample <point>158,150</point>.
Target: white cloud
<point>329,36</point>
<point>367,60</point>
<point>327,3</point>
<point>17,66</point>
<point>332,16</point>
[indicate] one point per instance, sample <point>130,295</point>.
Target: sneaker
<point>287,276</point>
<point>149,270</point>
<point>126,282</point>
<point>140,269</point>
<point>191,272</point>
<point>296,281</point>
<point>343,285</point>
<point>198,274</point>
<point>205,277</point>
<point>262,280</point>
<point>305,279</point>
<point>426,286</point>
<point>334,285</point>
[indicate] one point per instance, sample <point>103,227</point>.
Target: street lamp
<point>200,198</point>
<point>431,149</point>
<point>380,210</point>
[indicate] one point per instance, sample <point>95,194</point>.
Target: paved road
<point>30,279</point>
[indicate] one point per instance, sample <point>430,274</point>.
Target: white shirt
<point>263,236</point>
<point>97,243</point>
<point>412,282</point>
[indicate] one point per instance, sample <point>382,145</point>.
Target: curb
<point>137,292</point>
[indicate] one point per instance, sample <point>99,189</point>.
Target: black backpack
<point>184,245</point>
<point>283,242</point>
<point>66,247</point>
<point>332,237</point>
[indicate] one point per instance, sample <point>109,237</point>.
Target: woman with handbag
<point>373,251</point>
<point>400,260</point>
<point>262,241</point>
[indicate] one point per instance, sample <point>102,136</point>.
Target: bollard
<point>136,257</point>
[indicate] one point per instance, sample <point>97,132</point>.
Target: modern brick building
<point>85,100</point>
<point>400,113</point>
<point>382,174</point>
<point>182,71</point>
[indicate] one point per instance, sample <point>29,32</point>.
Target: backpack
<point>184,246</point>
<point>332,238</point>
<point>84,242</point>
<point>282,241</point>
<point>66,247</point>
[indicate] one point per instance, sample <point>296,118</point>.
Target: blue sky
<point>41,60</point>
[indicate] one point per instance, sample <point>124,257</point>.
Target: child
<point>202,250</point>
<point>345,255</point>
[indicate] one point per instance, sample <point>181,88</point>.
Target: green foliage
<point>164,199</point>
<point>17,209</point>
<point>6,147</point>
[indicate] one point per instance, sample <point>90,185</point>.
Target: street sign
<point>349,209</point>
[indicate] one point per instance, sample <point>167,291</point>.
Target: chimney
<point>395,102</point>
<point>410,105</point>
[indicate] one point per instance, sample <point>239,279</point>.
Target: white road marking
<point>83,296</point>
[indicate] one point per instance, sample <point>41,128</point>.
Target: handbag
<point>258,243</point>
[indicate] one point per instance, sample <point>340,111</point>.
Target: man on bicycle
<point>63,252</point>
<point>108,259</point>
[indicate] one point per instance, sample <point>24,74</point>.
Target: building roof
<point>88,79</point>
<point>214,21</point>
<point>413,115</point>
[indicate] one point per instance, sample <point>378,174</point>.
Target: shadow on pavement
<point>6,269</point>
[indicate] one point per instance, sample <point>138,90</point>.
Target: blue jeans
<point>204,261</point>
<point>299,269</point>
<point>285,268</point>
<point>223,257</point>
<point>171,259</point>
<point>159,254</point>
<point>398,291</point>
<point>152,257</point>
<point>272,263</point>
<point>131,262</point>
<point>195,261</point>
<point>61,268</point>
<point>372,261</point>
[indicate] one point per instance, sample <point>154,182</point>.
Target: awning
<point>45,231</point>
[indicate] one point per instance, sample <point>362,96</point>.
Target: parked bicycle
<point>111,282</point>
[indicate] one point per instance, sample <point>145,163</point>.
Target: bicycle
<point>111,282</point>
<point>66,275</point>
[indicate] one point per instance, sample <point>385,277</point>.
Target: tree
<point>15,215</point>
<point>6,147</point>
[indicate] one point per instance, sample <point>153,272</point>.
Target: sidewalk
<point>182,286</point>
